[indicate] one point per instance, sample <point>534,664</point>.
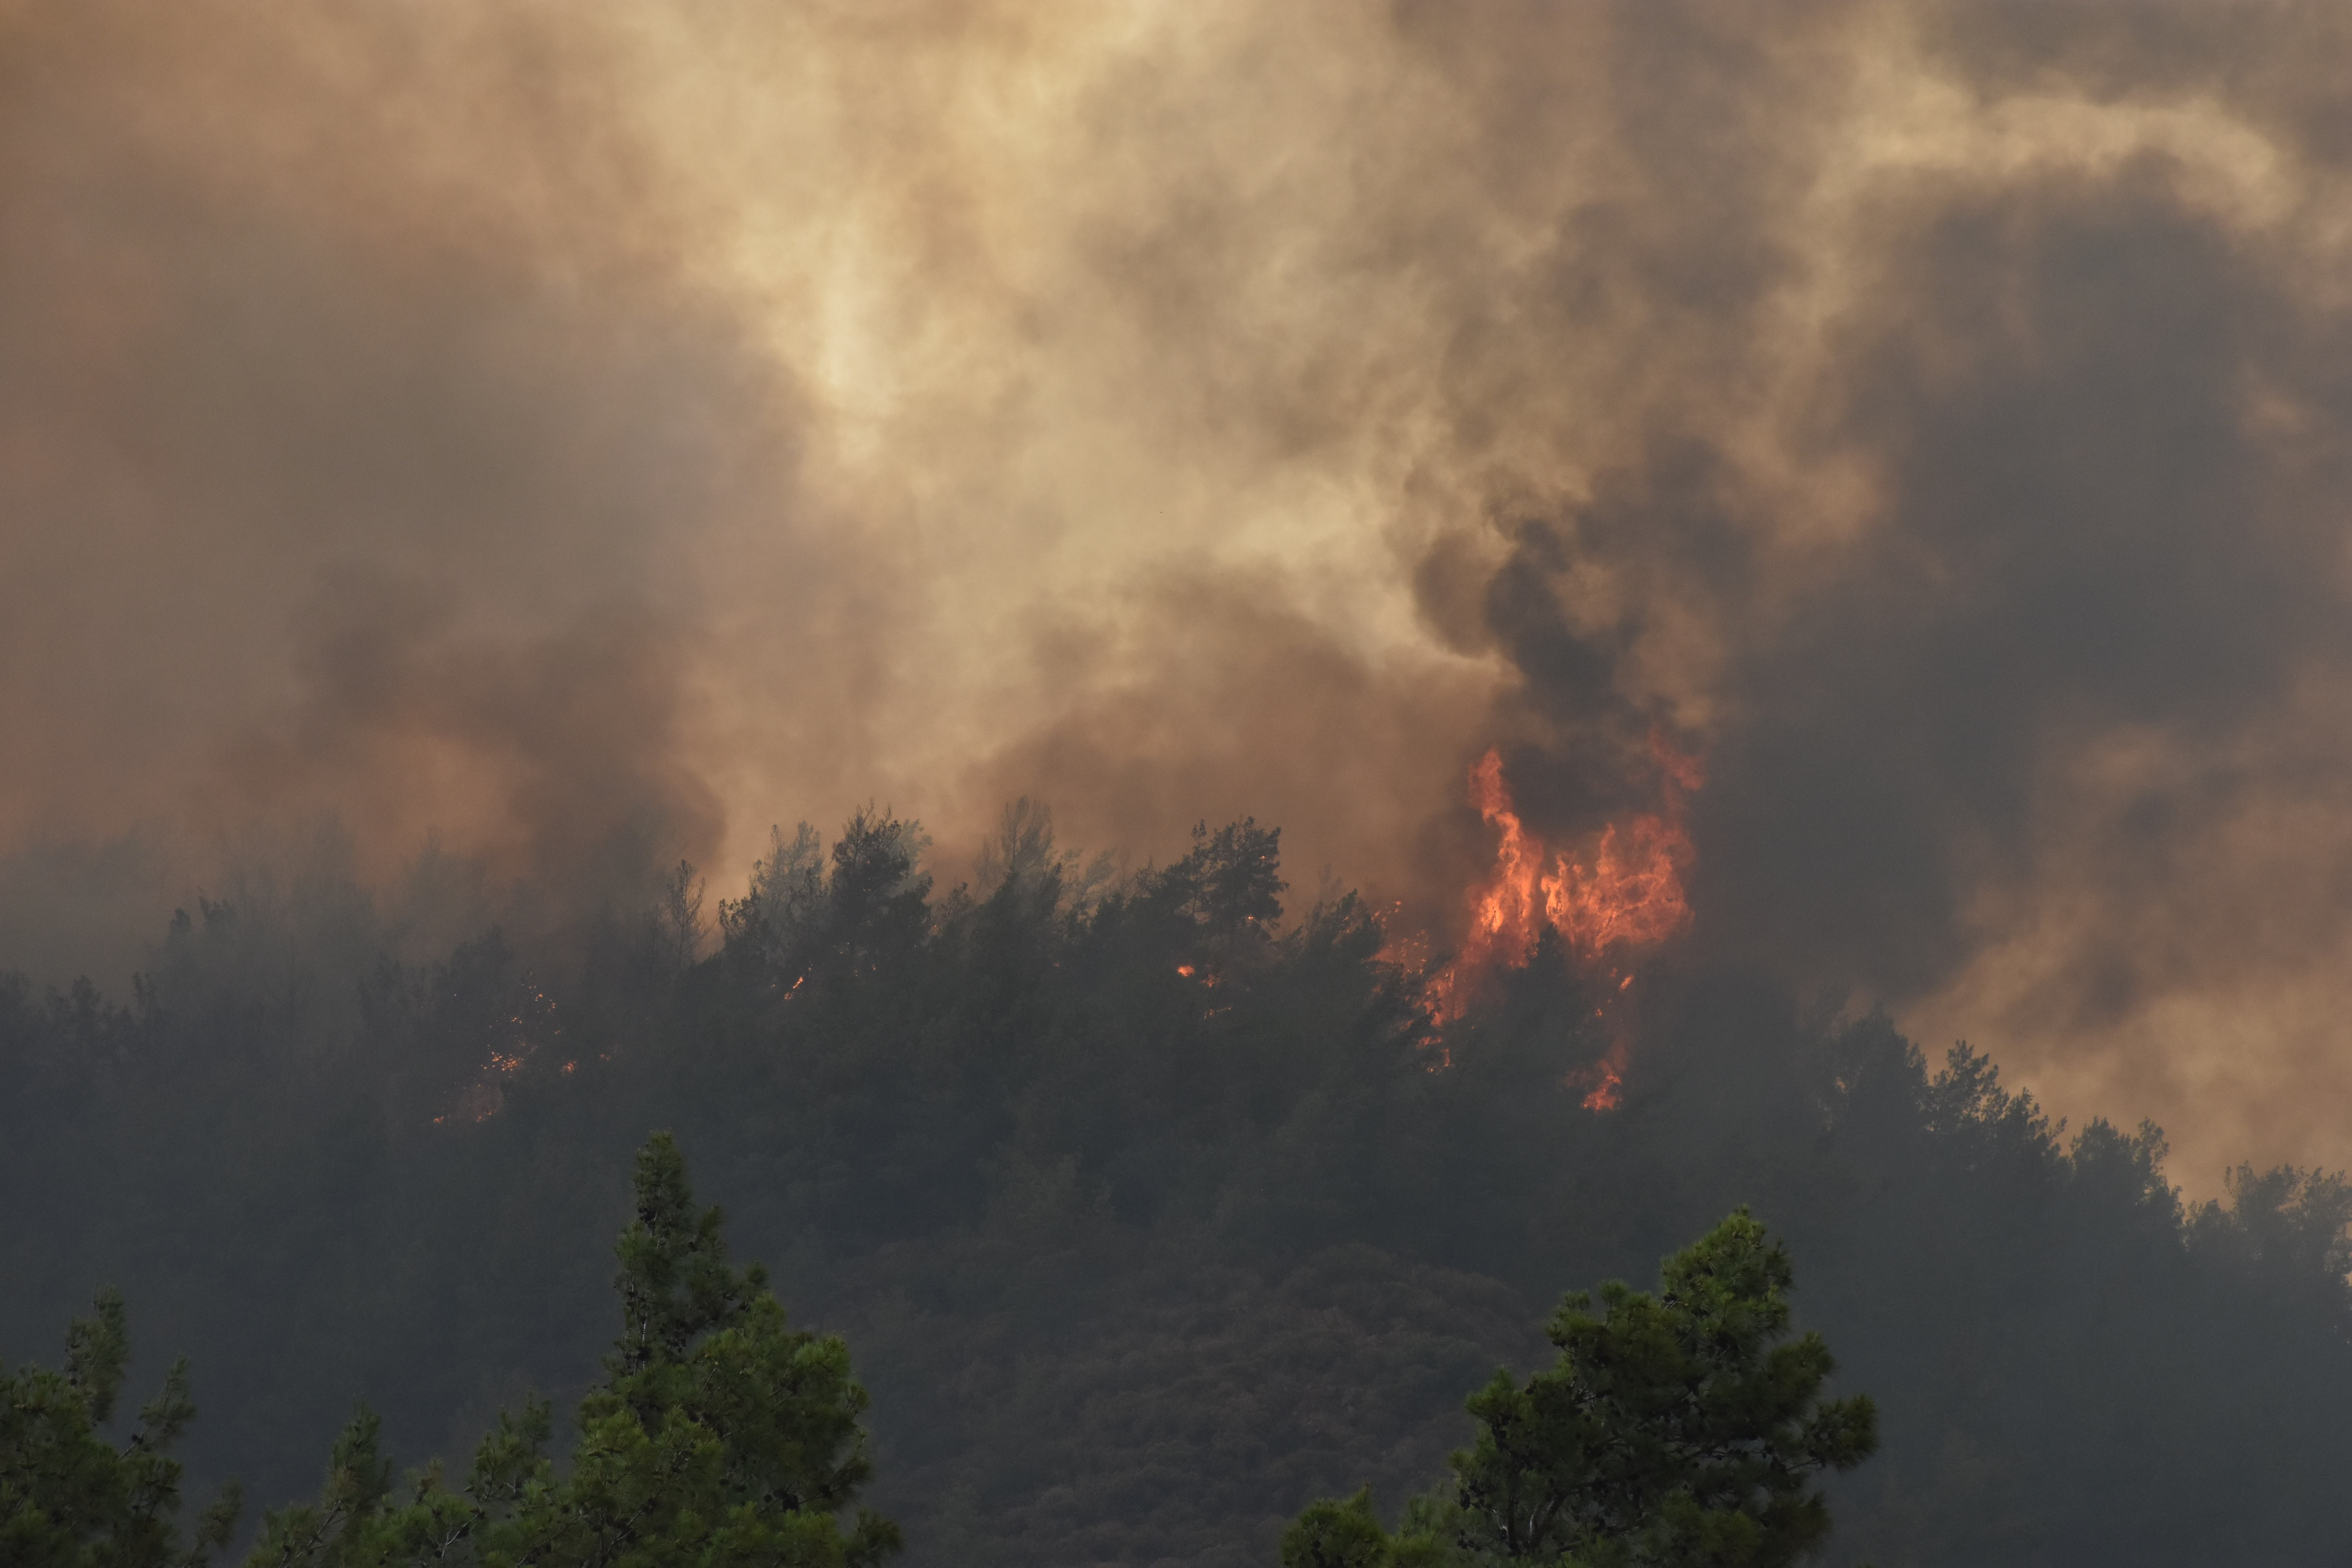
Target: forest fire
<point>1620,893</point>
<point>1604,1081</point>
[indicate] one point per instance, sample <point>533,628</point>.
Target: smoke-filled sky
<point>588,434</point>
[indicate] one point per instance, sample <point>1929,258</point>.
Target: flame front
<point>1624,892</point>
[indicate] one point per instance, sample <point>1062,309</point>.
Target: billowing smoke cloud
<point>360,440</point>
<point>590,435</point>
<point>1983,524</point>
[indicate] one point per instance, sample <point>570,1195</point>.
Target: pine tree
<point>720,1436</point>
<point>1675,1430</point>
<point>69,1498</point>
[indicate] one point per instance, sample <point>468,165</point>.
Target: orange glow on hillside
<point>1604,1080</point>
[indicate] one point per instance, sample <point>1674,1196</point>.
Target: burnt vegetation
<point>1141,1204</point>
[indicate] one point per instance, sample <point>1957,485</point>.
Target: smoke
<point>1984,531</point>
<point>588,435</point>
<point>360,445</point>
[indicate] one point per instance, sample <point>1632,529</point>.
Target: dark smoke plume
<point>593,436</point>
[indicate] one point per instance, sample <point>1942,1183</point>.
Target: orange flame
<point>1624,892</point>
<point>1603,1080</point>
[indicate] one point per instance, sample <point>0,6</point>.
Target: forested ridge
<point>1140,1203</point>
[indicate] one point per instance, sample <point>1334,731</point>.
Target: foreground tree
<point>69,1498</point>
<point>720,1437</point>
<point>1683,1428</point>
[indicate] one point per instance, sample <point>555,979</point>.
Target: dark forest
<point>1151,1208</point>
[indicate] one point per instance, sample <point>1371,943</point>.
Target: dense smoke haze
<point>580,437</point>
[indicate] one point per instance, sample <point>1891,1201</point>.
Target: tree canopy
<point>1681,1430</point>
<point>69,1498</point>
<point>720,1436</point>
<point>1139,1196</point>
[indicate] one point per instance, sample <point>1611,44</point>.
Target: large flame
<point>1608,898</point>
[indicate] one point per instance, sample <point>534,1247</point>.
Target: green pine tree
<point>1676,1430</point>
<point>68,1498</point>
<point>719,1437</point>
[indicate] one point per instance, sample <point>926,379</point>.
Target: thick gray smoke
<point>1983,522</point>
<point>591,433</point>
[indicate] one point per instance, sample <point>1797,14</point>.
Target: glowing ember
<point>532,1024</point>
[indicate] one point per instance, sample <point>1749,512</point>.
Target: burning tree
<point>1602,905</point>
<point>1675,1429</point>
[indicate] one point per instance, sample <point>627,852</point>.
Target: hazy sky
<point>593,433</point>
